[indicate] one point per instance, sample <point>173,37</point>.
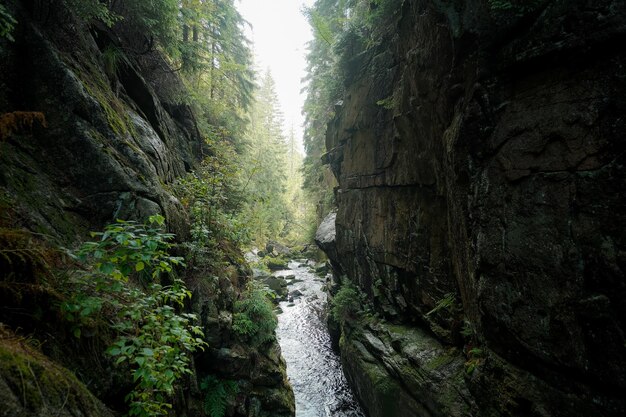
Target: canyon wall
<point>87,138</point>
<point>480,159</point>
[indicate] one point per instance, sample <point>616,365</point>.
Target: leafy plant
<point>93,9</point>
<point>218,394</point>
<point>129,248</point>
<point>7,23</point>
<point>112,56</point>
<point>387,103</point>
<point>254,319</point>
<point>152,338</point>
<point>448,302</point>
<point>475,357</point>
<point>345,304</point>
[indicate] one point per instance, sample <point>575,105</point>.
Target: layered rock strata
<point>481,209</point>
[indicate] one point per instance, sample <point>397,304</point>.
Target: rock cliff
<point>104,138</point>
<point>110,142</point>
<point>481,209</point>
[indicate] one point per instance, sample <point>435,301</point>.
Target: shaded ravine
<point>314,369</point>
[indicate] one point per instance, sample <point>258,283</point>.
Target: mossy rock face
<point>33,385</point>
<point>399,371</point>
<point>109,145</point>
<point>276,264</point>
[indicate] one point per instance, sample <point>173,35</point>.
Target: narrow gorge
<point>463,178</point>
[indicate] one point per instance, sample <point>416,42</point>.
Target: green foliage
<point>218,394</point>
<point>213,197</point>
<point>112,56</point>
<point>475,357</point>
<point>468,330</point>
<point>346,304</point>
<point>93,10</point>
<point>264,169</point>
<point>151,337</point>
<point>387,103</point>
<point>324,90</point>
<point>254,319</point>
<point>448,302</point>
<point>157,20</point>
<point>127,247</point>
<point>7,23</point>
<point>157,348</point>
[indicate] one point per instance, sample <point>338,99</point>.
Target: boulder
<point>325,238</point>
<point>277,249</point>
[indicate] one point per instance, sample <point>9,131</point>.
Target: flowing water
<point>314,369</point>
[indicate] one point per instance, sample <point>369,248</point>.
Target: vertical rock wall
<point>490,173</point>
<point>110,143</point>
<point>113,141</point>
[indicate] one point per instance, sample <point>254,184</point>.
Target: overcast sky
<point>280,33</point>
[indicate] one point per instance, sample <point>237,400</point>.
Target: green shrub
<point>92,9</point>
<point>448,302</point>
<point>345,304</point>
<point>151,337</point>
<point>254,319</point>
<point>218,394</point>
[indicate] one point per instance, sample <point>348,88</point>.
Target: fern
<point>254,317</point>
<point>448,302</point>
<point>218,394</point>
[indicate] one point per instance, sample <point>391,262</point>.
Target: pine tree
<point>265,166</point>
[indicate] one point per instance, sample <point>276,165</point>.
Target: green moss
<point>97,86</point>
<point>40,386</point>
<point>111,107</point>
<point>439,361</point>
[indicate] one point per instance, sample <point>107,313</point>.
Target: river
<point>314,369</point>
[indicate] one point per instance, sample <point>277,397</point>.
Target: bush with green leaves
<point>346,304</point>
<point>218,393</point>
<point>124,285</point>
<point>254,319</point>
<point>92,9</point>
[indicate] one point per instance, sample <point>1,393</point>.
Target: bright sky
<point>280,33</point>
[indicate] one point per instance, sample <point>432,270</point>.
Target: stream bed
<point>313,367</point>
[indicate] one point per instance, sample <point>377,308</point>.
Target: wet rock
<point>393,368</point>
<point>277,249</point>
<point>294,295</point>
<point>259,273</point>
<point>276,264</point>
<point>278,285</point>
<point>322,269</point>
